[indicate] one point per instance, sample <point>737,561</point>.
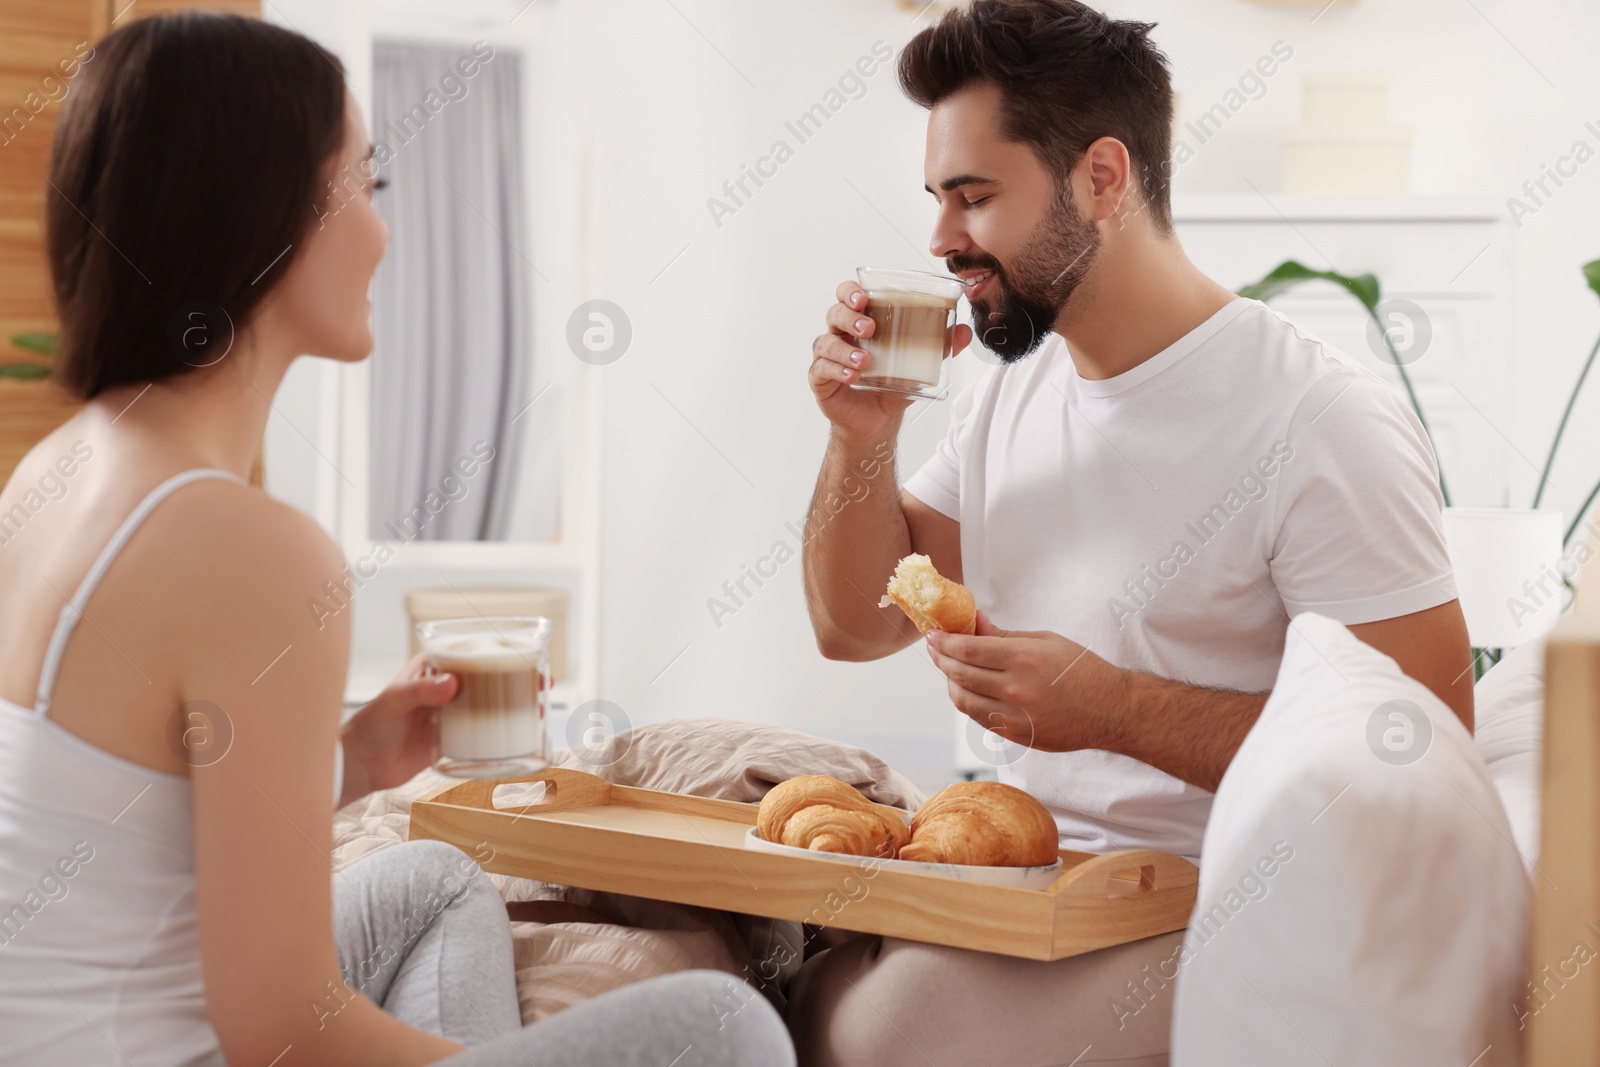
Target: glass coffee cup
<point>914,312</point>
<point>496,724</point>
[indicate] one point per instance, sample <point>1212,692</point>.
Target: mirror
<point>457,448</point>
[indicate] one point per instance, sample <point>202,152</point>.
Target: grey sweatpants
<point>423,933</point>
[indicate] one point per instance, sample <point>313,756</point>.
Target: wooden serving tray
<point>591,834</point>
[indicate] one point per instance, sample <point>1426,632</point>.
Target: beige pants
<point>872,1001</point>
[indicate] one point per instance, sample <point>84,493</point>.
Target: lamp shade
<point>1508,572</point>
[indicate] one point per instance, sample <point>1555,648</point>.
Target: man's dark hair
<point>1068,75</point>
<point>187,164</point>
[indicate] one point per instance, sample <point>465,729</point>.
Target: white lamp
<point>1508,572</point>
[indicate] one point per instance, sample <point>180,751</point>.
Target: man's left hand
<point>1031,687</point>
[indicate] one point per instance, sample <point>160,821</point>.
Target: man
<point>1155,479</point>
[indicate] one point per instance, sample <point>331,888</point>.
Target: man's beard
<point>1033,290</point>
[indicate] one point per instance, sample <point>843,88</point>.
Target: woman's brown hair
<point>184,174</point>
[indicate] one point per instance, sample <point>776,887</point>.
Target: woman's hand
<point>397,734</point>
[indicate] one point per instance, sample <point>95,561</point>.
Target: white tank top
<point>99,938</point>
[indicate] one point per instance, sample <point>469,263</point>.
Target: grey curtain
<point>452,360</point>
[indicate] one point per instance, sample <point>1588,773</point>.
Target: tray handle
<point>563,789</point>
<point>1130,872</point>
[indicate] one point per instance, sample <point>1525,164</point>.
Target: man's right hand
<point>838,360</point>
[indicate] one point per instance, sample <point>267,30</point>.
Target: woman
<point>169,707</point>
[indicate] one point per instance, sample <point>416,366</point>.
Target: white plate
<point>1020,877</point>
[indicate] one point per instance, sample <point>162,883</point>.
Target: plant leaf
<point>37,341</point>
<point>26,371</point>
<point>1290,273</point>
<point>1591,274</point>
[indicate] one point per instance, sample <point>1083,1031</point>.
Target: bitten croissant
<point>929,599</point>
<point>820,812</point>
<point>988,824</point>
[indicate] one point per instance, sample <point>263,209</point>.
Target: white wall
<point>712,442</point>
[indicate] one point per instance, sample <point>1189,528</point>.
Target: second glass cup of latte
<point>495,725</point>
<point>914,311</point>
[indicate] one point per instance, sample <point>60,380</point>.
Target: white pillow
<point>1509,703</point>
<point>1361,901</point>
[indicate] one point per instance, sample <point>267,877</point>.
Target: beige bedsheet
<point>611,940</point>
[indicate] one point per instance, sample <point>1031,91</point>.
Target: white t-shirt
<point>1172,519</point>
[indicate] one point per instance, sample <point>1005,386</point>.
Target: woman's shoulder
<point>242,509</point>
<point>209,533</point>
<point>217,522</point>
<point>251,574</point>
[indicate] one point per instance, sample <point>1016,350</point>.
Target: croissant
<point>987,824</point>
<point>929,599</point>
<point>822,813</point>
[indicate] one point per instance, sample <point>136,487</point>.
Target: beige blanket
<point>595,942</point>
